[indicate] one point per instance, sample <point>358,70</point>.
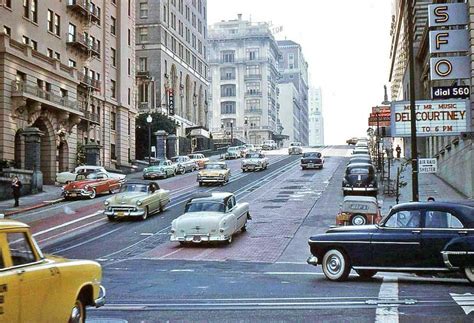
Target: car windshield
<point>135,188</point>
<point>253,156</point>
<point>313,155</point>
<point>358,171</point>
<point>232,148</point>
<point>295,144</point>
<point>175,159</point>
<point>158,163</point>
<point>214,166</point>
<point>204,206</point>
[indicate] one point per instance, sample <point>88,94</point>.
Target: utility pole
<point>411,62</point>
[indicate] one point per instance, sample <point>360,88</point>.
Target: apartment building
<point>243,60</point>
<point>316,118</point>
<point>172,70</point>
<point>67,80</point>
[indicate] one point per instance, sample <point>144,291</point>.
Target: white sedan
<point>213,217</point>
<point>67,177</point>
<point>254,161</point>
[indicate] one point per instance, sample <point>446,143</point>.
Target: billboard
<point>433,118</point>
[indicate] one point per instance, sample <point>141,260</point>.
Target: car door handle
<point>416,231</point>
<point>462,232</point>
<point>20,272</point>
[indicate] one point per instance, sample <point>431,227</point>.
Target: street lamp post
<point>231,132</point>
<point>246,123</point>
<point>149,119</point>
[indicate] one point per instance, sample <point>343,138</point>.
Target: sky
<point>346,44</point>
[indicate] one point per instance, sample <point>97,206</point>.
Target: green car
<point>162,168</point>
<point>136,199</point>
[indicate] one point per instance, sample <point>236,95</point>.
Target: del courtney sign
<point>433,118</point>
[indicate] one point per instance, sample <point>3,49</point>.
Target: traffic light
<point>170,102</point>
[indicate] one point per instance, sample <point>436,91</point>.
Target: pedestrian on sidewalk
<point>431,199</point>
<point>16,187</point>
<point>399,151</point>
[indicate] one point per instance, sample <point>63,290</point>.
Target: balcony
<point>253,111</point>
<point>253,94</point>
<point>83,44</point>
<point>88,82</point>
<point>143,74</point>
<point>89,116</point>
<point>36,94</point>
<point>85,9</point>
<point>228,78</point>
<point>253,77</point>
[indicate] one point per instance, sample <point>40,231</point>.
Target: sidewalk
<point>428,185</point>
<point>51,194</point>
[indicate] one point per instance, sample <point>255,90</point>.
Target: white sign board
<point>450,68</point>
<point>427,165</point>
<point>433,118</point>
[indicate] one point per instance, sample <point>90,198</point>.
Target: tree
<point>160,122</point>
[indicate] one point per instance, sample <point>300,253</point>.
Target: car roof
<point>12,224</point>
<point>312,152</point>
<point>214,196</point>
<point>359,165</point>
<point>463,208</point>
<point>360,199</point>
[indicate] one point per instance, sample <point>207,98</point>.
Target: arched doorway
<point>63,157</point>
<point>189,99</point>
<point>19,149</point>
<point>47,150</point>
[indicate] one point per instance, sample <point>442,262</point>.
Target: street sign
<point>381,109</point>
<point>384,120</point>
<point>451,92</point>
<point>427,165</point>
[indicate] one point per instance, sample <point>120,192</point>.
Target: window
<point>228,90</point>
<point>253,70</point>
<point>129,67</point>
<point>188,13</point>
<point>72,63</point>
<point>34,44</point>
<point>72,32</point>
<point>20,249</point>
<point>129,7</point>
<point>252,54</point>
<point>143,10</point>
<point>291,61</point>
<point>228,107</point>
<point>193,20</point>
<point>441,219</point>
<point>143,64</point>
<point>128,131</point>
<point>64,93</point>
<point>113,88</point>
<point>7,30</point>
<point>113,57</point>
<point>404,219</point>
<point>57,56</point>
<point>228,56</point>
<point>143,35</point>
<point>143,93</point>
<point>113,25</point>
<point>164,13</point>
<point>26,8</point>
<point>8,4</point>
<point>173,21</point>
<point>129,98</point>
<point>113,121</point>
<point>50,53</point>
<point>113,154</point>
<point>253,87</point>
<point>188,35</point>
<point>26,40</point>
<point>57,25</point>
<point>253,104</point>
<point>33,10</point>
<point>180,28</point>
<point>228,73</point>
<point>129,37</point>
<point>50,21</point>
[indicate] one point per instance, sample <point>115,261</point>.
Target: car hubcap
<point>76,314</point>
<point>358,220</point>
<point>469,273</point>
<point>334,265</point>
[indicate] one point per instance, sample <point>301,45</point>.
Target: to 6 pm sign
<point>433,118</point>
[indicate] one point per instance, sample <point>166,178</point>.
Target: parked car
<point>213,217</point>
<point>254,161</point>
<point>67,177</point>
<point>362,144</point>
<point>312,159</point>
<point>232,153</point>
<point>365,159</point>
<point>414,237</point>
<point>359,210</point>
<point>162,168</point>
<point>90,185</point>
<point>360,151</point>
<point>359,179</point>
<point>214,172</point>
<point>250,147</point>
<point>40,288</point>
<point>199,159</point>
<point>269,145</point>
<point>184,164</point>
<point>137,199</point>
<point>352,141</point>
<point>295,148</point>
<point>243,150</point>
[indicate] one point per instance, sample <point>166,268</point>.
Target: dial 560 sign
<point>433,118</point>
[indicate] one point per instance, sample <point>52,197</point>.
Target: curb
<point>33,207</point>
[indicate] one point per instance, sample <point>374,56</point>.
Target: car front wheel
<point>93,193</point>
<point>78,312</point>
<point>469,273</point>
<point>145,213</point>
<point>336,265</point>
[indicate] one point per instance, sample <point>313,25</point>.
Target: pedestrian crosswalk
<point>466,301</point>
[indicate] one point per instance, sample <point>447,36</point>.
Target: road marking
<point>67,223</point>
<point>292,273</point>
<point>170,253</point>
<point>388,312</point>
<point>182,270</point>
<point>73,229</point>
<point>146,234</point>
<point>466,301</point>
<point>292,262</point>
<point>86,241</point>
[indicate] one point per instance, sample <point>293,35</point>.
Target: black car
<point>360,159</point>
<point>414,237</point>
<point>312,160</point>
<point>359,179</point>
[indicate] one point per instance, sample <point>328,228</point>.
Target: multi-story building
<point>454,154</point>
<point>294,70</point>
<point>243,59</point>
<point>316,119</point>
<point>67,69</point>
<point>171,60</point>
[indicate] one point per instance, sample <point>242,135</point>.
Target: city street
<point>262,275</point>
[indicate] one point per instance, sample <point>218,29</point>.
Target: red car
<point>90,185</point>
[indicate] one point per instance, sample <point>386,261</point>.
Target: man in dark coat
<point>16,187</point>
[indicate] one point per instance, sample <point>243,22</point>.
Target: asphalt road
<point>262,276</point>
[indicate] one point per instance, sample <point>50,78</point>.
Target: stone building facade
<point>243,59</point>
<point>66,79</point>
<point>172,69</point>
<point>316,118</point>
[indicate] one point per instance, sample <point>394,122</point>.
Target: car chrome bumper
<point>312,260</point>
<point>100,301</point>
<point>211,180</point>
<point>77,193</point>
<point>198,238</point>
<point>252,167</point>
<point>124,213</point>
<point>312,166</point>
<point>154,175</point>
<point>360,189</point>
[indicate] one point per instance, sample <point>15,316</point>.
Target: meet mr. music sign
<point>433,118</point>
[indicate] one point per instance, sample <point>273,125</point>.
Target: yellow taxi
<point>39,288</point>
